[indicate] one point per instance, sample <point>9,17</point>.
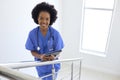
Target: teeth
<point>43,25</point>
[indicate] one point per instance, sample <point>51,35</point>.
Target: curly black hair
<point>44,7</point>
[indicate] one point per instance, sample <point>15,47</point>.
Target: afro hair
<point>44,7</point>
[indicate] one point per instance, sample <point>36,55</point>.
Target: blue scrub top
<point>51,42</point>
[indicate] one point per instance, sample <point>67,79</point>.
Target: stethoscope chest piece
<point>38,48</point>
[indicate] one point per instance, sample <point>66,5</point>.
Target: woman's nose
<point>44,21</point>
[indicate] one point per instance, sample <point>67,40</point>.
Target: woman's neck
<point>44,31</point>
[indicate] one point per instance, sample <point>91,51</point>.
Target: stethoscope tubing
<point>51,36</point>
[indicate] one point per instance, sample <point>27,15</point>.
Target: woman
<point>44,39</point>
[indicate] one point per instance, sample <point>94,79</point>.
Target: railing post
<point>72,71</point>
<point>80,70</point>
<point>53,72</point>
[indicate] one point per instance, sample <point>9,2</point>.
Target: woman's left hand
<point>51,57</point>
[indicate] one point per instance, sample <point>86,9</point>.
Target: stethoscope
<point>49,39</point>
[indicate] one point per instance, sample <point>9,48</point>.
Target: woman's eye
<point>47,19</point>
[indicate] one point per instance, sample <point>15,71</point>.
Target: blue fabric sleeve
<point>58,42</point>
<point>30,43</point>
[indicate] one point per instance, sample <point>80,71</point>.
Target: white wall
<point>72,10</point>
<point>71,26</point>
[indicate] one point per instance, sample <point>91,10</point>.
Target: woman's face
<point>44,19</point>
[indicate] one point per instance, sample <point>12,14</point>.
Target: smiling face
<point>44,20</point>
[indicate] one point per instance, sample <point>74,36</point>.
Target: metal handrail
<point>15,75</point>
<point>36,63</point>
<point>7,69</point>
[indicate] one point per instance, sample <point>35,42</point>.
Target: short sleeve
<point>58,42</point>
<point>30,43</point>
